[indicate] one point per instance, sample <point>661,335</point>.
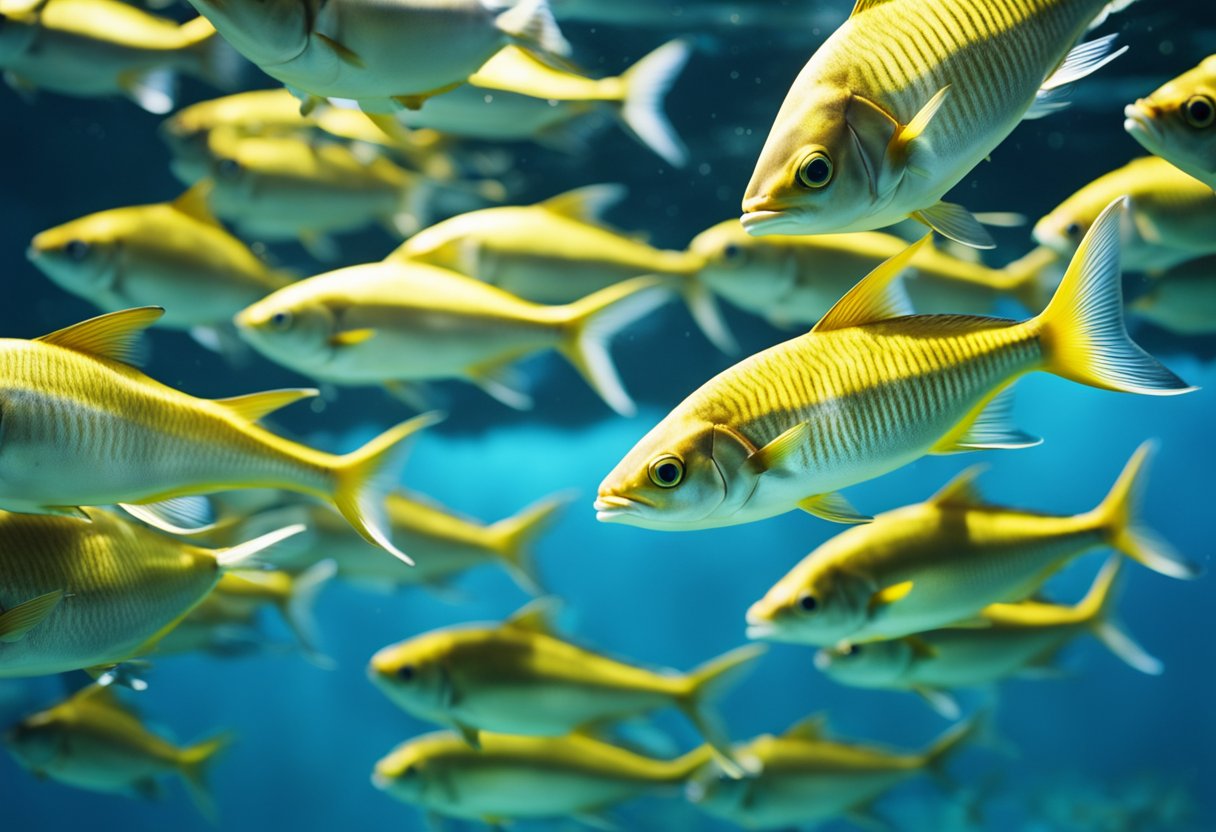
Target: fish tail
<point>1118,516</point>
<point>592,321</point>
<point>686,765</point>
<point>531,24</point>
<point>297,608</point>
<point>364,477</point>
<point>514,539</point>
<point>194,763</point>
<point>709,682</point>
<point>1034,277</point>
<point>1082,329</point>
<point>646,86</point>
<point>217,62</point>
<point>943,749</point>
<point>1097,607</point>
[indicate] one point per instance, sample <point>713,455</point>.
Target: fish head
<point>82,256</point>
<point>37,742</point>
<point>749,272</point>
<point>816,603</point>
<point>267,32</point>
<point>820,168</point>
<point>402,773</point>
<point>414,675</point>
<point>1178,121</point>
<point>294,326</point>
<point>1063,229</point>
<point>871,665</point>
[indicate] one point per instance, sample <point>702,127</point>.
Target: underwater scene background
<point>1097,747</point>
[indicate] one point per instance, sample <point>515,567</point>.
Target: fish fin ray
<point>1084,59</point>
<point>955,222</point>
<point>15,623</point>
<point>988,427</point>
<point>587,204</point>
<point>537,616</point>
<point>878,296</point>
<point>646,86</point>
<point>193,203</point>
<point>943,702</point>
<point>962,491</point>
<point>834,508</point>
<point>502,381</point>
<point>891,594</point>
<point>178,515</point>
<point>193,765</point>
<point>780,449</point>
<point>255,406</point>
<point>531,24</point>
<point>709,682</point>
<point>114,337</point>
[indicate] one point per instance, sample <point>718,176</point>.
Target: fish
<point>95,48</point>
<point>94,741</point>
<point>226,621</point>
<point>517,97</point>
<point>1182,299</point>
<point>795,280</point>
<point>93,593</point>
<point>1170,215</point>
<point>399,322</point>
<point>84,427</point>
<point>1176,122</point>
<point>903,100</point>
<point>560,250</point>
<point>803,777</point>
<point>521,678</point>
<point>941,562</point>
<point>868,390</point>
<point>172,253</point>
<point>445,544</point>
<point>1020,639</point>
<point>385,56</point>
<point>520,778</point>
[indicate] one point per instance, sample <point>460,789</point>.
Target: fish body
<point>1178,122</point>
<point>1170,215</point>
<point>518,778</point>
<point>1182,299</point>
<point>937,563</point>
<point>873,130</point>
<point>866,391</point>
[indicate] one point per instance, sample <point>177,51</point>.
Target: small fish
<point>479,678</point>
<point>559,251</point>
<point>516,97</point>
<point>1015,639</point>
<point>90,594</point>
<point>106,47</point>
<point>521,778</point>
<point>174,254</point>
<point>904,100</point>
<point>868,390</point>
<point>1170,215</point>
<point>796,280</point>
<point>1178,122</point>
<point>83,427</point>
<point>383,55</point>
<point>93,741</point>
<point>802,777</point>
<point>940,562</point>
<point>1182,299</point>
<point>399,321</point>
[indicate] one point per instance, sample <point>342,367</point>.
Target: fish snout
<point>1140,121</point>
<point>609,507</point>
<point>760,621</point>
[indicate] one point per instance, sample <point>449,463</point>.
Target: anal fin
<point>988,428</point>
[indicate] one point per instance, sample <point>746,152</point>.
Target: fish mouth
<point>764,223</point>
<point>612,507</point>
<point>1140,124</point>
<point>759,626</point>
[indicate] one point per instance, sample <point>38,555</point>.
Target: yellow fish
<point>903,100</point>
<point>93,741</point>
<point>796,280</point>
<point>400,321</point>
<point>1014,639</point>
<point>1178,122</point>
<point>1182,300</point>
<point>516,97</point>
<point>82,427</point>
<point>383,55</point>
<point>520,678</point>
<point>79,595</point>
<point>559,251</point>
<point>174,254</point>
<point>107,47</point>
<point>1170,215</point>
<point>802,778</point>
<point>522,778</point>
<point>940,562</point>
<point>868,390</point>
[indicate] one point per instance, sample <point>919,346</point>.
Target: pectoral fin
<point>901,143</point>
<point>955,223</point>
<point>18,621</point>
<point>780,449</point>
<point>471,735</point>
<point>941,701</point>
<point>179,515</point>
<point>889,595</point>
<point>351,337</point>
<point>344,52</point>
<point>834,508</point>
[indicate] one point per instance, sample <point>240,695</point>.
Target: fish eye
<point>731,251</point>
<point>406,672</point>
<point>1199,111</point>
<point>667,471</point>
<point>228,168</point>
<point>1073,230</point>
<point>280,320</point>
<point>807,602</point>
<point>77,250</point>
<point>816,170</point>
<point>850,650</point>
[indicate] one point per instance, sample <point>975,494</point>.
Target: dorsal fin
<point>865,5</point>
<point>193,203</point>
<point>256,405</point>
<point>878,297</point>
<point>114,337</point>
<point>535,617</point>
<point>962,490</point>
<point>813,727</point>
<point>587,204</point>
<point>101,696</point>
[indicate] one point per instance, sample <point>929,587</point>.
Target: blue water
<point>1094,746</point>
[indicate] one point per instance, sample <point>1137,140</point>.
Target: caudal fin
<point>297,609</point>
<point>1083,334</point>
<point>709,682</point>
<point>591,322</point>
<point>193,764</point>
<point>1118,516</point>
<point>646,86</point>
<point>1098,609</point>
<point>514,538</point>
<point>952,741</point>
<point>364,478</point>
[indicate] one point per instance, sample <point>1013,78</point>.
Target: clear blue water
<point>1092,748</point>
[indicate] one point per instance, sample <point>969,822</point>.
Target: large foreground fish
<point>903,100</point>
<point>869,389</point>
